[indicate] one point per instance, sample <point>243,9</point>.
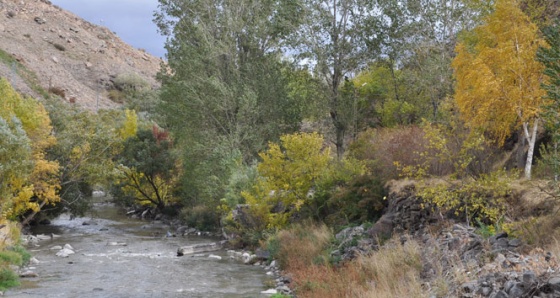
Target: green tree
<point>549,56</point>
<point>332,39</point>
<point>223,94</point>
<point>498,78</point>
<point>148,168</point>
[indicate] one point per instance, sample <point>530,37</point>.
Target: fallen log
<point>199,248</point>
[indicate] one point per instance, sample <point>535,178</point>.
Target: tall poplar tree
<point>499,79</point>
<point>223,93</point>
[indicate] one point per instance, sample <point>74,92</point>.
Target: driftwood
<point>199,248</point>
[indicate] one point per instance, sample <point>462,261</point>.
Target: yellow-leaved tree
<point>498,78</point>
<point>39,187</point>
<point>287,174</point>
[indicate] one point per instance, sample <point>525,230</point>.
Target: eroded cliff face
<point>65,52</point>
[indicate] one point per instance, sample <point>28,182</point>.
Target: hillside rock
<point>66,52</point>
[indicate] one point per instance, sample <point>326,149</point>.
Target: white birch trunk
<point>531,139</point>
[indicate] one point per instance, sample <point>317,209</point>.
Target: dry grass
<point>303,246</point>
<point>393,271</point>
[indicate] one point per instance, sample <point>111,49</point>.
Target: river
<point>147,266</point>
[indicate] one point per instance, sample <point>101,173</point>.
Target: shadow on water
<point>120,257</point>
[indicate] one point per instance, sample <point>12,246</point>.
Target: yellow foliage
<point>146,191</point>
<point>498,79</point>
<point>43,181</point>
<point>287,172</point>
<point>130,126</point>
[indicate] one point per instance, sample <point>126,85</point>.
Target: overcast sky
<point>130,19</point>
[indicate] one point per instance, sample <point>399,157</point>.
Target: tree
<point>223,93</point>
<point>41,186</point>
<point>149,168</point>
<point>498,78</point>
<point>86,146</point>
<point>549,56</point>
<point>287,174</point>
<point>332,39</point>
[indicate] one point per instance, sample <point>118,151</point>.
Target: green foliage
<point>11,257</point>
<point>8,278</point>
<point>25,255</point>
<point>550,56</point>
<point>148,168</point>
<point>201,217</point>
<point>362,199</point>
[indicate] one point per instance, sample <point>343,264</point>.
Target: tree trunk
<point>531,140</point>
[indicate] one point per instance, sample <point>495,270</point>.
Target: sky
<point>130,19</point>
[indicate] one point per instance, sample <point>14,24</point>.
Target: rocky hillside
<point>43,47</point>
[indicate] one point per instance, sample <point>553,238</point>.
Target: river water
<point>147,266</point>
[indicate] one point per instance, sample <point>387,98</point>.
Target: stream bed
<point>121,257</point>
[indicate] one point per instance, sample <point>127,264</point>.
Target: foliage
<point>550,56</point>
<point>498,78</point>
<point>332,38</point>
<point>8,278</point>
<point>482,199</point>
<point>362,199</point>
<point>383,148</point>
<point>392,271</point>
<point>31,179</point>
<point>201,217</point>
<point>130,125</point>
<point>86,145</point>
<point>224,94</point>
<point>148,168</point>
<point>287,174</point>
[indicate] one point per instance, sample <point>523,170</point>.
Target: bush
<point>25,255</point>
<point>386,147</point>
<point>202,217</point>
<point>57,91</point>
<point>8,279</point>
<point>362,200</point>
<point>116,96</point>
<point>11,257</point>
<point>130,82</point>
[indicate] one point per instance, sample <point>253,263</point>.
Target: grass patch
<point>304,252</point>
<point>8,279</point>
<point>28,76</point>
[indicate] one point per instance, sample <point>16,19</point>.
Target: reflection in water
<point>120,257</point>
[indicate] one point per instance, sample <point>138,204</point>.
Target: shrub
<point>116,96</point>
<point>57,91</point>
<point>202,217</point>
<point>8,279</point>
<point>359,200</point>
<point>25,255</point>
<point>386,147</point>
<point>11,257</point>
<point>130,82</point>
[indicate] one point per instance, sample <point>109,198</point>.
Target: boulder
<point>64,253</point>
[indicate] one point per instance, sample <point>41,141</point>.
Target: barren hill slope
<point>55,49</point>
